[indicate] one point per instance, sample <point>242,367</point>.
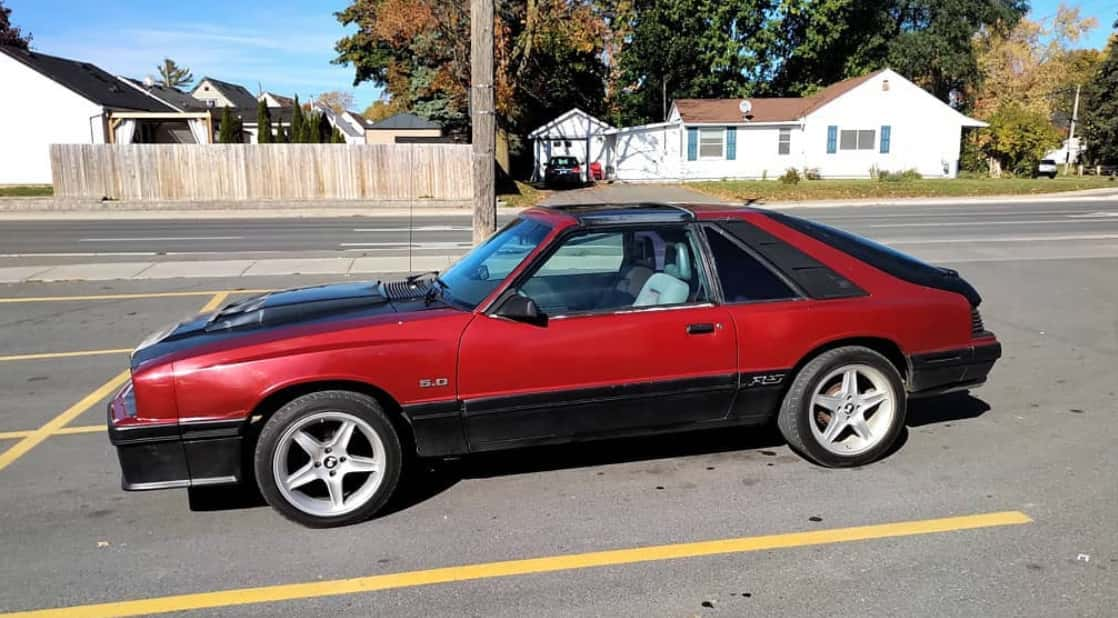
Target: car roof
<point>638,212</point>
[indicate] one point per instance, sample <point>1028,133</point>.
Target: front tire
<point>845,408</point>
<point>329,458</point>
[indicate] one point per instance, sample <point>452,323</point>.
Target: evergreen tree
<point>281,133</point>
<point>230,130</point>
<point>336,136</point>
<point>263,123</point>
<point>325,129</point>
<point>1100,107</point>
<point>174,76</point>
<point>297,123</point>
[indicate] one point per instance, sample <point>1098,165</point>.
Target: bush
<point>790,177</point>
<point>812,173</point>
<point>906,175</point>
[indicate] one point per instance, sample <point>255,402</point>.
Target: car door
<point>609,359</point>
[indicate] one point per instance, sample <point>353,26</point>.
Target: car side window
<point>601,271</point>
<point>743,277</point>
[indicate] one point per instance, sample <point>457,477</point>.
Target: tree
<point>263,123</point>
<point>9,34</point>
<point>229,131</point>
<point>336,136</point>
<point>1017,139</point>
<point>379,110</point>
<point>1100,107</point>
<point>336,100</point>
<point>322,129</point>
<point>174,76</point>
<point>298,123</point>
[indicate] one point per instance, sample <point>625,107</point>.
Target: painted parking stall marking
<point>548,564</point>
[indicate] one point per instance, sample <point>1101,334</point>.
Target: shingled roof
<point>788,109</point>
<point>239,95</point>
<point>87,80</point>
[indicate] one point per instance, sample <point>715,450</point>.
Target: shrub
<point>812,173</point>
<point>790,177</point>
<point>886,176</point>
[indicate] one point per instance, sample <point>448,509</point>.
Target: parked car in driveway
<point>562,172</point>
<point>571,323</point>
<point>1047,167</point>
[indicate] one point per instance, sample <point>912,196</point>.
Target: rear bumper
<point>170,455</point>
<point>935,373</point>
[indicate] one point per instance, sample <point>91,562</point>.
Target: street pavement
<point>1038,440</point>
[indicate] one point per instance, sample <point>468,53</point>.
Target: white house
<point>877,121</point>
<point>59,101</point>
<point>576,134</point>
<point>351,124</point>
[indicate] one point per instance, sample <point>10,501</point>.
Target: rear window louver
<point>976,325</point>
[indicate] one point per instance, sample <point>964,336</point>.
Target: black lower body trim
<point>941,372</point>
<point>172,455</point>
<point>437,428</point>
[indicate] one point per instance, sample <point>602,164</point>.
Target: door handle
<point>700,329</point>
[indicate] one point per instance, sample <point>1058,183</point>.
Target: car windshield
<point>564,161</point>
<point>480,271</point>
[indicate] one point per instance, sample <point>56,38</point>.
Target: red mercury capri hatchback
<point>571,323</point>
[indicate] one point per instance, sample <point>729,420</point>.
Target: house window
<point>785,143</point>
<point>710,143</point>
<point>850,139</point>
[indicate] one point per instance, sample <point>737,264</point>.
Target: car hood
<point>288,308</point>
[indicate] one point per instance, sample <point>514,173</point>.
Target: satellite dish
<point>149,81</point>
<point>745,107</point>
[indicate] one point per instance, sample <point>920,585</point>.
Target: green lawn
<point>26,190</point>
<point>773,190</point>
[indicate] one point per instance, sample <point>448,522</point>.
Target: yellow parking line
<point>65,431</point>
<point>289,592</point>
<point>138,295</point>
<point>45,355</point>
<point>32,439</point>
<point>215,302</point>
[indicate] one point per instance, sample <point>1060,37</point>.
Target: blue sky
<point>284,45</point>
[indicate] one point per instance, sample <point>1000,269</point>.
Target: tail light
<point>578,169</point>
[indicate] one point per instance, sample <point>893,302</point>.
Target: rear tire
<point>845,408</point>
<point>330,458</point>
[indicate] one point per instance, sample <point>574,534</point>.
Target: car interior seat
<point>670,287</point>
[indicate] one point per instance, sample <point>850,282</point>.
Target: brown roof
<point>765,109</point>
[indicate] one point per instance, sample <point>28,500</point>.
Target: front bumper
<point>160,455</point>
<point>935,373</point>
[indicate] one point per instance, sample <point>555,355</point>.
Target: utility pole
<point>483,119</point>
<point>1071,132</point>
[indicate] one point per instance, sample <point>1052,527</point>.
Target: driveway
<point>621,193</point>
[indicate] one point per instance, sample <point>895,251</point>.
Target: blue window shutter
<point>886,137</point>
<point>731,143</point>
<point>692,144</point>
<point>832,139</point>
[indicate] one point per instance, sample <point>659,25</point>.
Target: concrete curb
<point>224,268</point>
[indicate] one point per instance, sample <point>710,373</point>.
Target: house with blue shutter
<point>879,121</point>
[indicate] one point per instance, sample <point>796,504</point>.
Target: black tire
<point>356,404</point>
<point>795,413</point>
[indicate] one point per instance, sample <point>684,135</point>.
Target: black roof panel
<point>600,214</point>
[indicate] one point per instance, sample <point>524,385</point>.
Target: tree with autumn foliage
<point>1100,107</point>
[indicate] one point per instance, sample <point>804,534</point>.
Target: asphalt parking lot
<point>1000,502</point>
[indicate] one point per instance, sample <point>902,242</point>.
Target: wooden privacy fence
<point>390,172</point>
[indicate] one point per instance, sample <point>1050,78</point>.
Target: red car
<point>569,324</point>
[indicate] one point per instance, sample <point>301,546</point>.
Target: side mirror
<point>521,309</point>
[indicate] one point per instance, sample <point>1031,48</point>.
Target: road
<point>1089,221</point>
<point>1038,440</point>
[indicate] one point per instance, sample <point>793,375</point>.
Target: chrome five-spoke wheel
<point>845,407</point>
<point>328,458</point>
<point>852,409</point>
<point>328,463</point>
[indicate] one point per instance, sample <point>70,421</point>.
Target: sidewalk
<point>225,268</point>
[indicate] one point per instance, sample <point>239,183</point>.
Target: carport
<point>576,134</point>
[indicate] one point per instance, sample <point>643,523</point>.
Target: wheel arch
<point>886,347</point>
<point>272,402</point>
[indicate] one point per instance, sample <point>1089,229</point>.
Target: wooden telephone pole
<point>483,118</point>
